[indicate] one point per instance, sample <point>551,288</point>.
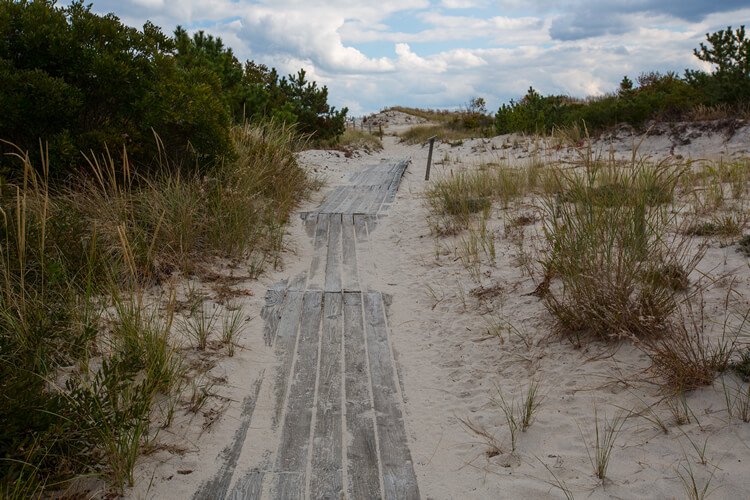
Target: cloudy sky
<point>441,53</point>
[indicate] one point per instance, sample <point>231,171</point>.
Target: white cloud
<point>374,54</point>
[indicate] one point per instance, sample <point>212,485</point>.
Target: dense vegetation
<point>79,81</point>
<point>130,155</point>
<point>656,95</point>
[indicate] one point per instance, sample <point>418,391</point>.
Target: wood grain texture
<point>326,478</point>
<point>291,460</point>
<point>363,471</point>
<point>218,487</point>
<point>333,257</point>
<point>316,278</point>
<point>349,273</point>
<point>399,480</point>
<point>286,339</point>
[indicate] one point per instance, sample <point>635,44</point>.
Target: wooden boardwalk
<point>335,401</point>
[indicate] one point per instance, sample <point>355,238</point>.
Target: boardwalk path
<point>330,416</point>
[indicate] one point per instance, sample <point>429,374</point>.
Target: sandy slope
<point>451,370</point>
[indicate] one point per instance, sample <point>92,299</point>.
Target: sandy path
<point>326,420</point>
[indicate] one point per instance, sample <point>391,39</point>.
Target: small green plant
<point>557,482</point>
<point>455,199</point>
<point>743,246</point>
<point>681,411</point>
<point>200,325</point>
<point>511,411</point>
<point>700,451</point>
<point>520,415</point>
<point>201,391</point>
<point>605,435</point>
<point>530,404</point>
<point>231,327</point>
<point>648,412</point>
<point>693,489</point>
<point>737,401</point>
<point>742,365</point>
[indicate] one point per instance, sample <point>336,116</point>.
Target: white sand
<point>451,370</point>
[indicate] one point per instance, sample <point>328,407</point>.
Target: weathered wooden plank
<point>217,487</point>
<point>352,196</point>
<point>318,264</point>
<point>286,339</point>
<point>363,472</point>
<point>291,459</point>
<point>364,197</point>
<point>360,229</point>
<point>398,173</point>
<point>271,311</point>
<point>333,257</point>
<point>349,274</point>
<point>249,487</point>
<point>399,480</point>
<point>311,221</point>
<point>393,186</point>
<point>339,194</point>
<point>326,477</point>
<point>375,201</point>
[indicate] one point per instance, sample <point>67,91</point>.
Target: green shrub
<point>76,81</point>
<point>608,244</point>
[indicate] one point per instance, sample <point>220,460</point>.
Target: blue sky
<point>441,53</point>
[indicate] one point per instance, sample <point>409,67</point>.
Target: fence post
<point>429,158</point>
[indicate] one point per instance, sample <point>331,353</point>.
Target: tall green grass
<point>85,360</point>
<point>454,199</point>
<point>611,245</point>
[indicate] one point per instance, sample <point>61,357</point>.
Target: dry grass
<point>454,200</point>
<point>72,308</point>
<point>684,357</point>
<point>445,133</point>
<point>358,140</point>
<point>609,245</point>
<point>431,115</point>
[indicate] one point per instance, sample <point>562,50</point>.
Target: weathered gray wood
<point>330,205</point>
<point>291,459</point>
<point>217,487</point>
<point>360,229</point>
<point>399,480</point>
<point>363,472</point>
<point>353,195</point>
<point>326,478</point>
<point>249,487</point>
<point>333,260</point>
<point>311,221</point>
<point>368,198</point>
<point>271,311</point>
<point>286,338</point>
<point>376,201</point>
<point>349,274</point>
<point>317,265</point>
<point>396,180</point>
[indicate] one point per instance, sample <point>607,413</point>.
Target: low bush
<point>608,243</point>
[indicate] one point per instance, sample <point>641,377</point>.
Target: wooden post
<point>429,158</point>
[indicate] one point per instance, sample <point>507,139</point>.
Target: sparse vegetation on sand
<point>449,126</point>
<point>353,140</point>
<point>619,250</point>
